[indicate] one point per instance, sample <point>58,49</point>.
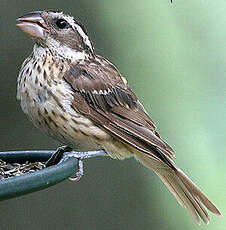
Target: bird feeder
<point>34,181</point>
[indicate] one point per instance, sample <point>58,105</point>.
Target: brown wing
<point>101,94</point>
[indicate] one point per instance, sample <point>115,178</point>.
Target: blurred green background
<point>174,57</point>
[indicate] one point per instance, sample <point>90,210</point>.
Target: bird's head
<point>55,29</point>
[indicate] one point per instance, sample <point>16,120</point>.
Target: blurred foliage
<point>173,56</point>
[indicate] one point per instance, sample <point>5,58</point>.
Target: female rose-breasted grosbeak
<point>81,99</point>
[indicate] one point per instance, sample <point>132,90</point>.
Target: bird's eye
<point>62,24</point>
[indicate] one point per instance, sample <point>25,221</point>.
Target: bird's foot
<point>81,156</point>
<point>57,158</point>
<point>80,171</point>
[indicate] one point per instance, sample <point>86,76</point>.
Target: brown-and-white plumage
<point>81,99</point>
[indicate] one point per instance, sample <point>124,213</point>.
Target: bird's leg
<point>81,156</point>
<point>85,155</point>
<point>56,157</point>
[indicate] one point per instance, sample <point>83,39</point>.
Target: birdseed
<point>8,170</point>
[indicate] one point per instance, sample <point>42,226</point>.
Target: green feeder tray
<point>38,180</point>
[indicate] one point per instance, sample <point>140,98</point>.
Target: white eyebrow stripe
<point>79,29</point>
<point>84,36</point>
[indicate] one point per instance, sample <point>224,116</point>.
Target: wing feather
<point>101,94</point>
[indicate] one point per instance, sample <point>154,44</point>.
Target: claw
<point>79,173</point>
<point>57,158</point>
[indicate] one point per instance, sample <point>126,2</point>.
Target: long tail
<point>183,189</point>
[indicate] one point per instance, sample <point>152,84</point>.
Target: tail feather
<point>203,198</point>
<point>184,190</point>
<point>186,198</point>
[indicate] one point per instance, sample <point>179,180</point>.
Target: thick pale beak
<point>33,24</point>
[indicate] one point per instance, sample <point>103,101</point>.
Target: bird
<point>80,99</point>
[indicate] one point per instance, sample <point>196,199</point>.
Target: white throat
<point>60,51</point>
